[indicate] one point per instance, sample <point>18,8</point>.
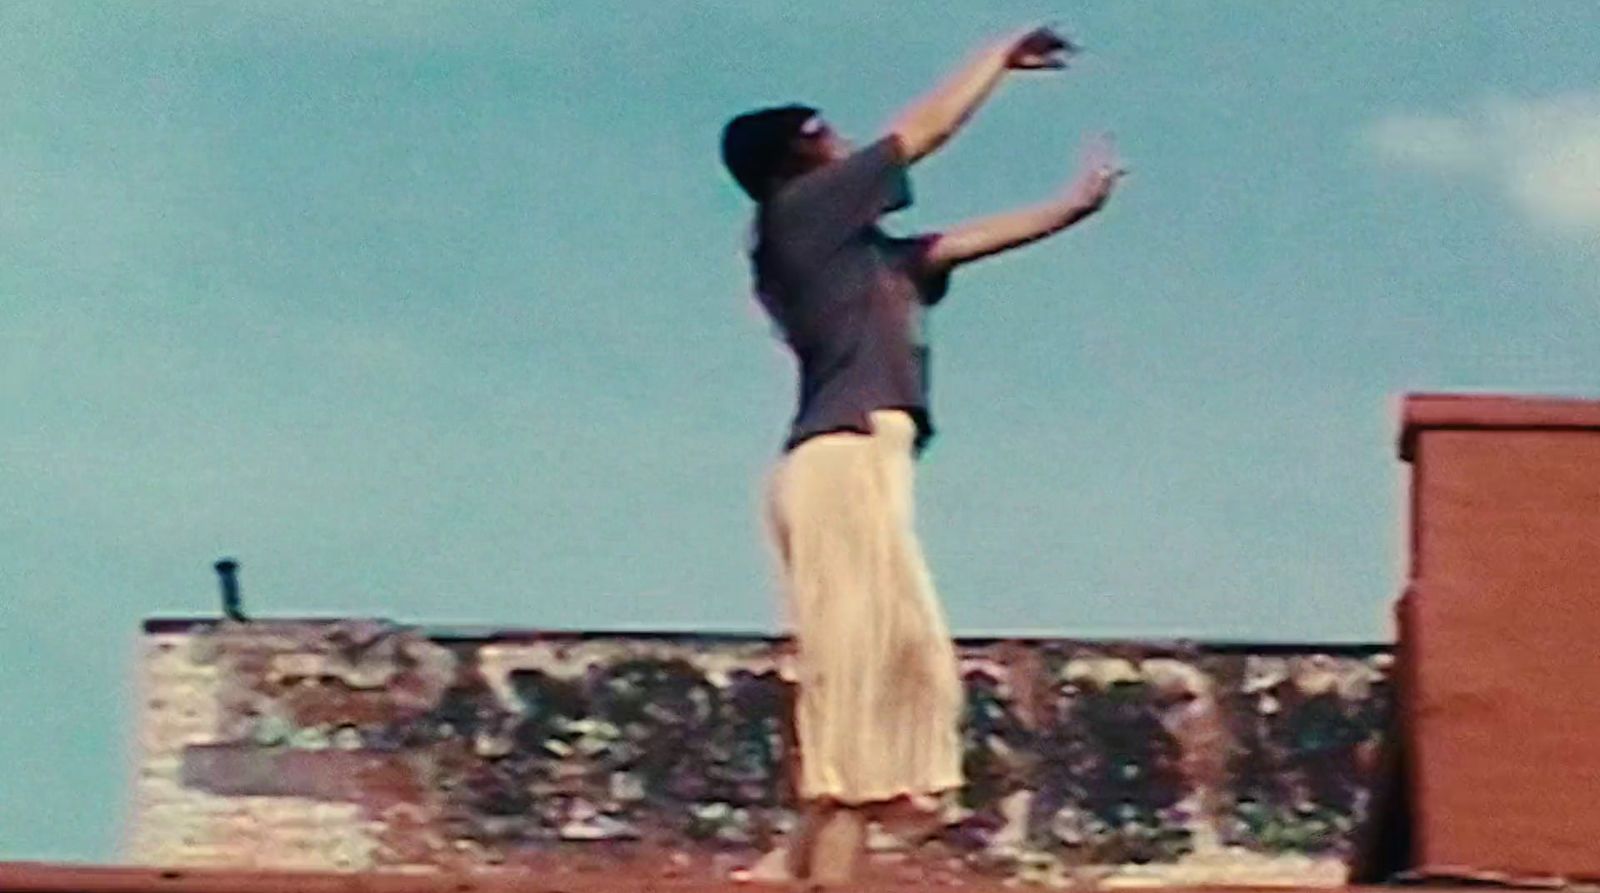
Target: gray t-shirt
<point>849,298</point>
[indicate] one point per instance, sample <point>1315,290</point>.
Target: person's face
<point>820,144</point>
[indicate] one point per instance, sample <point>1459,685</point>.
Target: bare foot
<point>774,867</point>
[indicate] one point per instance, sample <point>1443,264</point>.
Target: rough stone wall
<point>359,744</point>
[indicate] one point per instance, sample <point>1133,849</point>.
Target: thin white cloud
<point>1542,155</point>
<point>1428,141</point>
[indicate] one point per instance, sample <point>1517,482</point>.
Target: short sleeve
<point>911,255</point>
<point>828,206</point>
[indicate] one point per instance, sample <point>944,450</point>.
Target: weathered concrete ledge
<point>359,745</point>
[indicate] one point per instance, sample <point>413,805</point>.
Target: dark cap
<point>756,145</point>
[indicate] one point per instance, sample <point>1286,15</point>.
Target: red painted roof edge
<point>1420,412</point>
<point>33,877</point>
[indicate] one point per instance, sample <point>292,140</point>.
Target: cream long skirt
<point>880,694</point>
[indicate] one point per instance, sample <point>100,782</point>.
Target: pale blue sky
<point>436,311</point>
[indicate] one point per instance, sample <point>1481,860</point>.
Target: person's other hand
<point>1039,49</point>
<point>1098,173</point>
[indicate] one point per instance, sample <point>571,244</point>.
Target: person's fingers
<point>1034,57</point>
<point>1027,41</point>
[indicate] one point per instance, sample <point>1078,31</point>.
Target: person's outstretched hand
<point>1098,173</point>
<point>1039,49</point>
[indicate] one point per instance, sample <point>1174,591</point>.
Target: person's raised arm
<point>929,122</point>
<point>1088,193</point>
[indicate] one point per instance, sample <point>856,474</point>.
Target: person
<point>879,692</point>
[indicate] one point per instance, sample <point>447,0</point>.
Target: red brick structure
<point>1499,658</point>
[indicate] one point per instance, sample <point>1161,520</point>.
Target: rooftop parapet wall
<point>359,745</point>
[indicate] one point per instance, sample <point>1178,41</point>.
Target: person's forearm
<point>1002,232</point>
<point>927,123</point>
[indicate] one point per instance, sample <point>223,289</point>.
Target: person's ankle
<point>837,848</point>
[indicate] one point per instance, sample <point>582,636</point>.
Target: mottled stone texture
<point>358,744</point>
